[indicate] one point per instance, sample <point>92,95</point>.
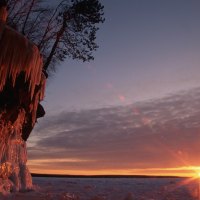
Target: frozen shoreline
<point>111,189</point>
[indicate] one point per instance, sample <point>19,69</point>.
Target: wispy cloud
<point>157,133</point>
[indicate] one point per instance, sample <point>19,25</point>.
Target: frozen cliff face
<point>18,55</point>
<point>22,85</point>
<point>13,170</point>
<point>20,59</point>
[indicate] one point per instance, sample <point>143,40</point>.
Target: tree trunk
<point>22,85</point>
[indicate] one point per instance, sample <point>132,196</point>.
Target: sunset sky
<point>136,108</point>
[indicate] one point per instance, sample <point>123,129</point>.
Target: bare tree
<point>67,29</point>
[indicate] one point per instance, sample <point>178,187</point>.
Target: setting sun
<point>198,174</point>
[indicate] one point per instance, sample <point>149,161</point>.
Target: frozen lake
<point>111,189</point>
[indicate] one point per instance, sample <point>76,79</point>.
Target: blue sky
<point>149,50</point>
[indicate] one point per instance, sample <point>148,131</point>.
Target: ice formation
<point>18,55</point>
<point>13,170</point>
<point>22,85</point>
<point>3,14</point>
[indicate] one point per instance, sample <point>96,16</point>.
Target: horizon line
<point>105,176</point>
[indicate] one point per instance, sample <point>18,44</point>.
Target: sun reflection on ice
<point>198,180</point>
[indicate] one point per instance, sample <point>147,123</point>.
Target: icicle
<point>18,55</point>
<point>38,96</point>
<point>3,14</point>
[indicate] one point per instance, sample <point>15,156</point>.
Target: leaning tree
<point>34,38</point>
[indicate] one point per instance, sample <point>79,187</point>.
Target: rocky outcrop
<point>22,85</point>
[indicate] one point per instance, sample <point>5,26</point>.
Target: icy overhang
<point>17,55</point>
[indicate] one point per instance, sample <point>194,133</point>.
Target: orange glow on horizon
<point>185,171</point>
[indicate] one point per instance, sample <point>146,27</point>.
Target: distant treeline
<point>101,176</point>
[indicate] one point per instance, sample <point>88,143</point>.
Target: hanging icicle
<point>18,55</point>
<point>3,14</point>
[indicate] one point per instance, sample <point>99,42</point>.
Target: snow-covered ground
<point>111,189</point>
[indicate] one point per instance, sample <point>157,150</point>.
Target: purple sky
<point>148,50</point>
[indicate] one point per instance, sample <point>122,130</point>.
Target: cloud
<point>158,133</point>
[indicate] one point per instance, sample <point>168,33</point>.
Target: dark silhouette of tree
<point>67,29</point>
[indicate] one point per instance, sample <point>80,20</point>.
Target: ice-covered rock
<point>22,85</point>
<point>13,155</point>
